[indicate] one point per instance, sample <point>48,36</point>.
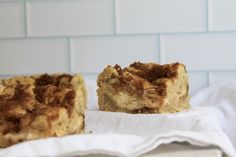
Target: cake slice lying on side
<point>41,106</point>
<point>144,88</point>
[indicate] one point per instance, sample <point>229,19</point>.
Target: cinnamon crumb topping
<point>138,75</point>
<point>21,103</point>
<point>53,80</point>
<point>152,72</point>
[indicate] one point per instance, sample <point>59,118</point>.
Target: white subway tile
<point>148,16</point>
<point>82,17</point>
<point>92,54</point>
<point>214,51</point>
<point>197,81</point>
<point>33,56</point>
<point>222,15</point>
<point>12,19</point>
<point>217,77</point>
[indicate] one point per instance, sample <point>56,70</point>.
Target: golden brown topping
<point>143,88</point>
<point>118,69</point>
<point>21,103</point>
<point>142,76</point>
<point>45,80</point>
<point>153,71</point>
<point>53,80</point>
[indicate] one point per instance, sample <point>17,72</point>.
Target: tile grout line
<point>114,35</point>
<point>89,73</point>
<point>18,74</point>
<point>2,1</point>
<point>69,55</point>
<point>208,78</point>
<point>25,19</point>
<point>28,74</point>
<point>12,1</point>
<point>161,51</point>
<point>114,16</point>
<point>4,76</point>
<point>159,48</point>
<point>207,15</point>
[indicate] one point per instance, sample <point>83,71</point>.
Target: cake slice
<point>41,106</point>
<point>144,88</point>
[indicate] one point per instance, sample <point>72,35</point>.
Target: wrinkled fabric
<point>209,122</point>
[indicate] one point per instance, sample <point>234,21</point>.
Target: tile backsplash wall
<point>38,36</point>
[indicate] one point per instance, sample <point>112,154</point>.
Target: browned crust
<point>140,73</point>
<point>44,95</point>
<point>152,71</point>
<point>144,82</point>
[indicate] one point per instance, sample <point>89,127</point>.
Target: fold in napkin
<point>210,122</point>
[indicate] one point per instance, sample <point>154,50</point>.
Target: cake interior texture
<point>41,106</point>
<point>144,88</point>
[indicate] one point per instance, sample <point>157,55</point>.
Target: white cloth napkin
<point>210,122</point>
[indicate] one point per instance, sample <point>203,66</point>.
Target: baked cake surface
<point>144,88</point>
<point>41,106</point>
